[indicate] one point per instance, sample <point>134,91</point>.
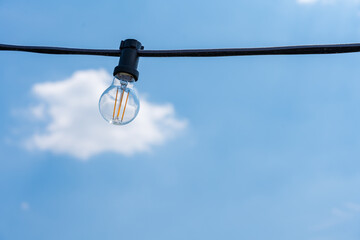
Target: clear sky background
<point>263,147</point>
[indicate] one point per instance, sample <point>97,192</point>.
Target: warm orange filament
<point>125,106</point>
<point>122,94</point>
<point>117,90</point>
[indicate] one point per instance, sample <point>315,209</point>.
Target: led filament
<point>119,103</point>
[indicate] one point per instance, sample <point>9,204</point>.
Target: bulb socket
<point>129,58</point>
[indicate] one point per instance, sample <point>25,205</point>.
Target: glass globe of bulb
<point>119,104</point>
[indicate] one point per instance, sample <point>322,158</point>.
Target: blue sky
<point>263,147</point>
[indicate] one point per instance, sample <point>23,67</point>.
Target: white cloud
<point>353,207</point>
<point>336,212</point>
<point>75,126</point>
<point>306,1</point>
<point>328,1</point>
<point>24,206</point>
<point>340,216</point>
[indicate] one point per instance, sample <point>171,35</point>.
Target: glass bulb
<point>119,103</point>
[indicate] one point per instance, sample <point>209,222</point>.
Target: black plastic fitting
<point>129,58</point>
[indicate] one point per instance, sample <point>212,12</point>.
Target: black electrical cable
<point>288,50</point>
<point>60,50</point>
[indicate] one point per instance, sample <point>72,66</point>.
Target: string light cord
<point>119,103</point>
<point>286,50</point>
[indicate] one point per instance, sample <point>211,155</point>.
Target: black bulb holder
<point>129,58</point>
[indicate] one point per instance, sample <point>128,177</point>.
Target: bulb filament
<point>125,106</point>
<point>117,91</point>
<point>119,106</point>
<point>122,95</point>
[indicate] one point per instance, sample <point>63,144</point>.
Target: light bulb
<point>119,103</point>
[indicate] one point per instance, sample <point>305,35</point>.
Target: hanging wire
<point>60,50</point>
<point>287,50</point>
